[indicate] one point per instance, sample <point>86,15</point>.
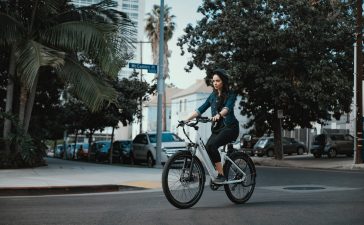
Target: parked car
<point>144,147</point>
<point>99,151</point>
<point>81,151</point>
<point>265,146</point>
<point>247,143</point>
<point>122,151</point>
<point>332,145</point>
<point>59,151</point>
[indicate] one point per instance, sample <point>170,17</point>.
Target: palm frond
<point>31,56</point>
<point>53,6</point>
<point>87,85</point>
<point>78,35</point>
<point>11,30</point>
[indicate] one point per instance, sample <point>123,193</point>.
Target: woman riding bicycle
<point>225,128</point>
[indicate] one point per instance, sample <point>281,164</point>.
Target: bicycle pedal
<point>214,186</point>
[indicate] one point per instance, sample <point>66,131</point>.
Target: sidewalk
<point>65,175</point>
<point>74,176</point>
<point>307,161</point>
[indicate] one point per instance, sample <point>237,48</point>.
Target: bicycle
<point>183,177</point>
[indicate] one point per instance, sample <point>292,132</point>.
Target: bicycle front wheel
<point>183,180</point>
<point>240,192</point>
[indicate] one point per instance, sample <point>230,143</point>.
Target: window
<point>140,139</point>
<point>134,7</point>
<point>180,105</point>
<point>320,139</point>
<point>337,137</point>
<point>166,137</point>
<point>185,109</point>
<point>286,141</point>
<point>349,137</point>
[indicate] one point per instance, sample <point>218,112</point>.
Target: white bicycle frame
<point>201,153</point>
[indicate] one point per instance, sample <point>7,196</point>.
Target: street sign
<point>149,67</point>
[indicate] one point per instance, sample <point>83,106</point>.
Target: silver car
<point>144,147</point>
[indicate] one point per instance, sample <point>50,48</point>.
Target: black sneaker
<point>220,179</point>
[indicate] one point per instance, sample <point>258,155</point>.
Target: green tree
<point>48,114</point>
<point>152,29</point>
<point>53,33</point>
<point>294,56</point>
<point>123,110</point>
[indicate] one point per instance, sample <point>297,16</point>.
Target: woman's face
<point>217,82</point>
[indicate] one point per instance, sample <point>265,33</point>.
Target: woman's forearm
<point>193,115</point>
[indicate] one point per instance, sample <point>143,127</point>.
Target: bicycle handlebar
<point>194,122</point>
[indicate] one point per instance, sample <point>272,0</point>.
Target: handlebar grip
<point>181,123</point>
<point>203,119</point>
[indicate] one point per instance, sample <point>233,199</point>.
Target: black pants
<point>225,136</point>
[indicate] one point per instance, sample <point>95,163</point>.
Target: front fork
<point>193,153</point>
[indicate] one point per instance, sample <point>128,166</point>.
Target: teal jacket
<point>229,103</point>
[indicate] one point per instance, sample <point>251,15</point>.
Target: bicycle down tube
<point>203,156</point>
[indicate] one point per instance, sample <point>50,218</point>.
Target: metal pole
<point>141,98</point>
<point>359,85</point>
<point>354,104</point>
<point>160,84</point>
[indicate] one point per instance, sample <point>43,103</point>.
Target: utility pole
<point>160,84</point>
<point>359,85</point>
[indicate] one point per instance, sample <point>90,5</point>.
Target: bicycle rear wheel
<point>180,188</point>
<point>240,192</point>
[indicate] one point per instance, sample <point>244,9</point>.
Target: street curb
<point>58,190</point>
<point>293,164</point>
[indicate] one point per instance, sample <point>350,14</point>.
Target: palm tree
<point>53,33</point>
<point>152,29</point>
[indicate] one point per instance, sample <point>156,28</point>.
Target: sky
<point>185,12</point>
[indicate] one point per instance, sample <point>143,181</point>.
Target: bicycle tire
<point>240,193</point>
<point>175,180</point>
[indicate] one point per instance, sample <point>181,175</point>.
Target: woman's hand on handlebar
<point>215,118</point>
<point>181,123</point>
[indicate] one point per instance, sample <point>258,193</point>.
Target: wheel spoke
<point>182,189</point>
<point>240,192</point>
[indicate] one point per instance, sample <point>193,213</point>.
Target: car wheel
<point>132,160</point>
<point>122,159</point>
<point>150,160</point>
<point>317,155</point>
<point>270,153</point>
<point>349,155</point>
<point>331,153</point>
<point>300,151</point>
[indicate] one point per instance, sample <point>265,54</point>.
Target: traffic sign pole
<point>160,85</point>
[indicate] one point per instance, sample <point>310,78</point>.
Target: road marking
<point>307,188</point>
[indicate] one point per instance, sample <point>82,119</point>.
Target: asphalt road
<point>283,196</point>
